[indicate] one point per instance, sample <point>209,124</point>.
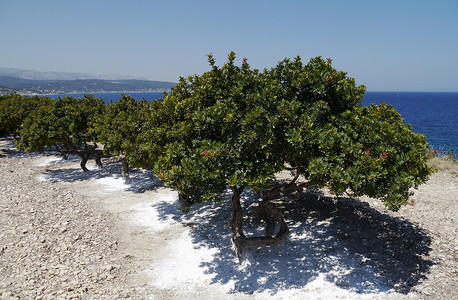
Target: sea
<point>434,114</point>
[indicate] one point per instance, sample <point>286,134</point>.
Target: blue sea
<point>432,114</point>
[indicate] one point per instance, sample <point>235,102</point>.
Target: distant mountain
<point>38,75</point>
<point>10,84</point>
<point>36,82</point>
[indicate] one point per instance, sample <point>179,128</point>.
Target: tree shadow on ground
<point>8,150</point>
<point>140,180</point>
<point>352,245</point>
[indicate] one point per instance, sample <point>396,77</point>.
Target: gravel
<point>58,243</point>
<point>54,243</point>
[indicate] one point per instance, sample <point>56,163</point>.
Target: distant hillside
<point>9,84</point>
<point>39,75</point>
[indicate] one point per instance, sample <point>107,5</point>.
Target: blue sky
<point>386,45</point>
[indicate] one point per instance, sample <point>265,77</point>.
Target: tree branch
<point>281,189</point>
<point>282,234</point>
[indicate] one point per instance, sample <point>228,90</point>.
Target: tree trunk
<point>238,237</point>
<point>267,218</point>
<point>280,237</point>
<point>98,158</point>
<point>243,244</point>
<point>125,168</point>
<point>83,162</point>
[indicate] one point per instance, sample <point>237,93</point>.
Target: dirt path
<point>68,234</point>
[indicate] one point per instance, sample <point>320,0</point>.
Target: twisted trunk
<point>268,212</point>
<point>84,151</point>
<point>262,213</point>
<point>269,240</point>
<point>242,244</point>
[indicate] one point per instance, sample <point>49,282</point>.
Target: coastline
<point>93,92</point>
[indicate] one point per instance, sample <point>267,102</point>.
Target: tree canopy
<point>121,126</point>
<point>237,127</point>
<point>14,109</point>
<point>65,123</point>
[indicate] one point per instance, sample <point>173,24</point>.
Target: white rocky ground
<point>66,234</point>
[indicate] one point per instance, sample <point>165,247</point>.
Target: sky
<point>390,45</point>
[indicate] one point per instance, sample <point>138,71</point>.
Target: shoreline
<point>101,92</point>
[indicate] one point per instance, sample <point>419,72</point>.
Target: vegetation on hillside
<point>81,85</point>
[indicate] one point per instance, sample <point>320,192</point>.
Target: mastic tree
<point>65,124</point>
<point>14,109</point>
<point>119,129</point>
<point>237,127</point>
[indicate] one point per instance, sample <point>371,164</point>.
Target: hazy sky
<point>389,45</point>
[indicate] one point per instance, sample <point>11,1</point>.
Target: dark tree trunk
<point>267,212</point>
<point>280,237</point>
<point>83,162</point>
<point>242,244</point>
<point>98,158</point>
<point>238,237</point>
<point>267,218</point>
<point>125,168</point>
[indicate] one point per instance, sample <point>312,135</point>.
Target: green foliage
<point>65,123</point>
<point>208,133</point>
<point>370,151</point>
<point>234,126</point>
<point>14,109</point>
<point>120,128</point>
